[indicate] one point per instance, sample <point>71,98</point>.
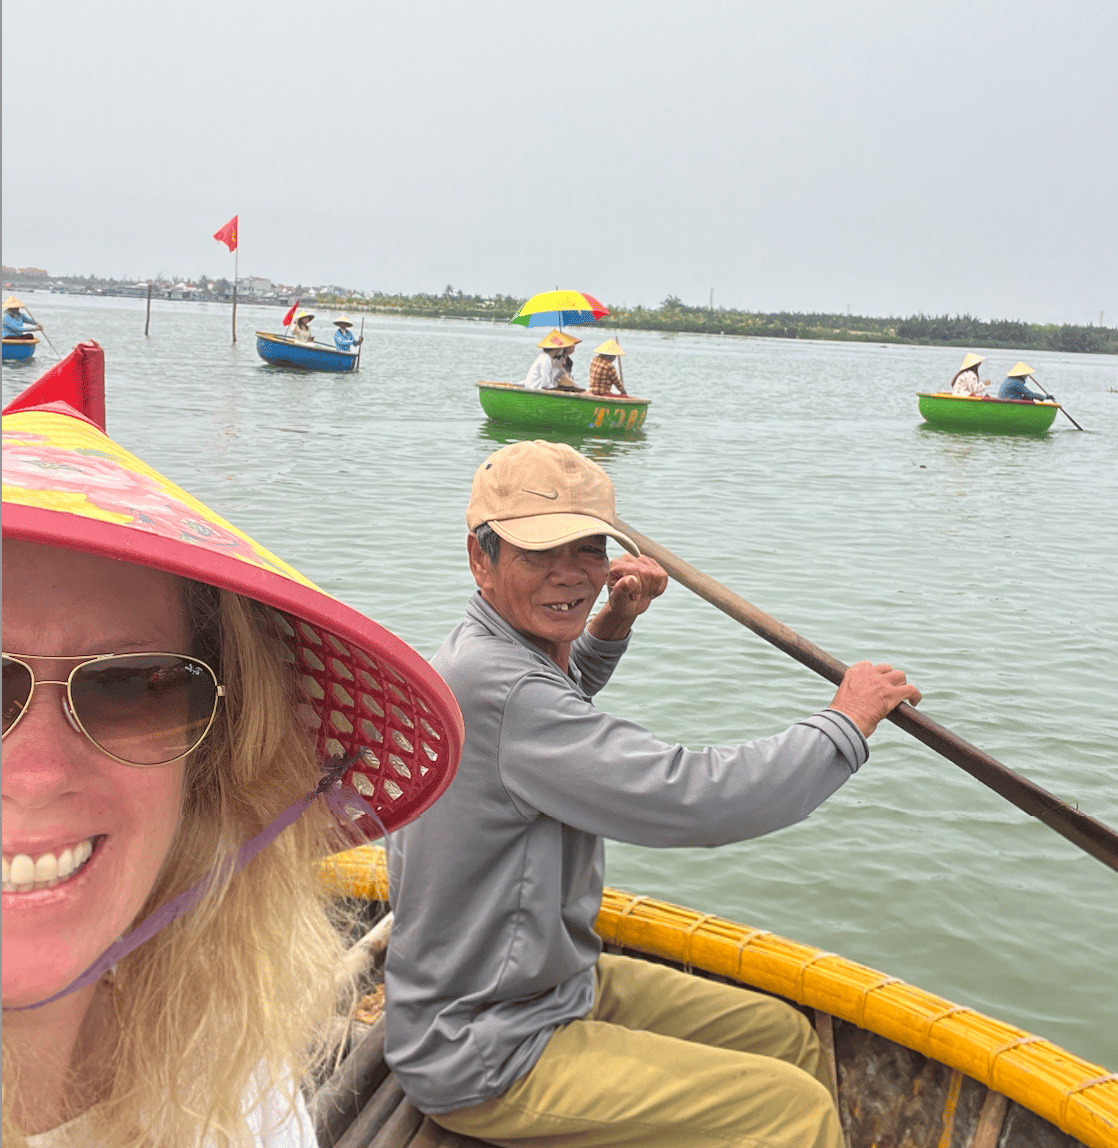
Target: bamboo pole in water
<point>147,321</point>
<point>1090,835</point>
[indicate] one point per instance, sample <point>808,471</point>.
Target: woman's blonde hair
<point>233,998</point>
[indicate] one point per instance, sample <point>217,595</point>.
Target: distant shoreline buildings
<point>671,316</point>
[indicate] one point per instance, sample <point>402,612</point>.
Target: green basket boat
<point>1004,416</point>
<point>582,413</point>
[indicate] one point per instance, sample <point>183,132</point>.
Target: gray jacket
<point>497,886</point>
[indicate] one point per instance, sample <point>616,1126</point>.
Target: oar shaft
<point>1090,835</point>
<point>45,335</point>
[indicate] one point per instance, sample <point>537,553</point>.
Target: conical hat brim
<point>555,339</point>
<point>68,485</point>
<point>972,360</point>
<point>609,347</point>
<point>1021,371</point>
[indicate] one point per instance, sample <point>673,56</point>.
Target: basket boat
<point>911,1068</point>
<point>16,349</point>
<point>281,351</point>
<point>973,412</point>
<point>582,413</point>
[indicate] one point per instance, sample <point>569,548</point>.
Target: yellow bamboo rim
<point>1077,1096</point>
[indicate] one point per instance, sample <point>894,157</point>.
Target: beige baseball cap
<point>542,494</point>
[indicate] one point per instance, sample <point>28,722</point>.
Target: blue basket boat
<point>281,351</point>
<point>15,349</point>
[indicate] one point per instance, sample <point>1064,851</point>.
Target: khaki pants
<point>663,1059</point>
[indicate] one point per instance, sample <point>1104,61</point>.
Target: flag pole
<point>236,257</point>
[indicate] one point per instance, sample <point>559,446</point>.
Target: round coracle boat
<point>910,1068</point>
<point>577,411</point>
<point>980,413</point>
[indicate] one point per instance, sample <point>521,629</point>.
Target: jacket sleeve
<point>596,660</point>
<point>560,756</point>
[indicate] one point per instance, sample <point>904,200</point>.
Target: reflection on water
<point>598,447</point>
<point>800,475</point>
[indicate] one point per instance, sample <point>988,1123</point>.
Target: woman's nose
<point>43,753</point>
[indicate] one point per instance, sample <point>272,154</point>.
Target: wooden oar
<point>1090,835</point>
<point>1073,422</point>
<point>360,344</point>
<point>45,335</point>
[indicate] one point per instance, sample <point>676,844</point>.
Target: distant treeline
<point>674,315</point>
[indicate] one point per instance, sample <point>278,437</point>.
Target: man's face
<point>546,595</point>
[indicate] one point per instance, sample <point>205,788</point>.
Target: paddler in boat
<point>603,375</point>
<point>1017,387</point>
<point>549,370</point>
<point>343,336</point>
<point>965,382</point>
<point>154,724</point>
<point>15,325</point>
<point>522,1029</point>
<point>300,329</point>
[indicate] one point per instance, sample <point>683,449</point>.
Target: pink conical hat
<point>68,485</point>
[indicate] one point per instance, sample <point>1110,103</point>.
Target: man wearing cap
<point>504,1019</point>
<point>343,336</point>
<point>15,325</point>
<point>965,382</point>
<point>1015,386</point>
<point>549,370</point>
<point>603,377</point>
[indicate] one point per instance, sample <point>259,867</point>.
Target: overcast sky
<point>886,157</point>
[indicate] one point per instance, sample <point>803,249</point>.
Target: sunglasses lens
<point>17,689</point>
<point>145,709</point>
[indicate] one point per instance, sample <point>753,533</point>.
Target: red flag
<point>290,315</point>
<point>228,234</point>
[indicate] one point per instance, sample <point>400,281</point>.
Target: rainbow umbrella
<point>559,309</point>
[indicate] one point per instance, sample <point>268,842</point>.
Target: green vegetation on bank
<point>674,315</point>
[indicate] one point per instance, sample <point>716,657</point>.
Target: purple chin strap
<point>343,800</point>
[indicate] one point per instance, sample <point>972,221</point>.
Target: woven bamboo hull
<point>16,349</point>
<point>558,410</point>
<point>281,351</point>
<point>1003,416</point>
<point>912,1068</point>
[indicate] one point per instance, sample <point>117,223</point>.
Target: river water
<point>800,475</point>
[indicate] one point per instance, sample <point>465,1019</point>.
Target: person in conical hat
<point>188,724</point>
<point>300,329</point>
<point>1016,388</point>
<point>603,375</point>
<point>343,336</point>
<point>551,368</point>
<point>965,381</point>
<point>15,325</point>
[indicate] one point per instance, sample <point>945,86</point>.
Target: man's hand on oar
<point>868,693</point>
<point>632,583</point>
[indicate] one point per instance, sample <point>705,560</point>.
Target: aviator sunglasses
<point>140,709</point>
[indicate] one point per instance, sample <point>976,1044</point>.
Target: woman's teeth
<point>22,875</point>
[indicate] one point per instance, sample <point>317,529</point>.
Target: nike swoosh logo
<point>542,493</point>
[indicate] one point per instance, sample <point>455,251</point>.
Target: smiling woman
<point>171,691</point>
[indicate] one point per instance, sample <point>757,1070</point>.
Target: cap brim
<point>542,531</point>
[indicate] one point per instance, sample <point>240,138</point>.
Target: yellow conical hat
<point>11,302</point>
<point>971,360</point>
<point>609,347</point>
<point>1021,371</point>
<point>343,321</point>
<point>556,338</point>
<point>303,315</point>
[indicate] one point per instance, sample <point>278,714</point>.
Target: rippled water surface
<point>800,475</point>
